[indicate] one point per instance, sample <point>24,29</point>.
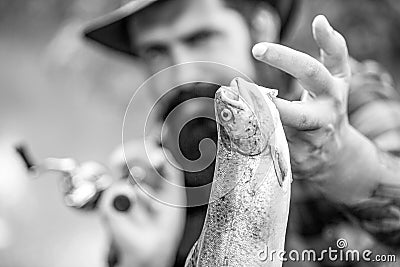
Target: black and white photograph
<point>199,133</point>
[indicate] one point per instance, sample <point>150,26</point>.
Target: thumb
<point>131,226</point>
<point>302,115</point>
<point>119,209</point>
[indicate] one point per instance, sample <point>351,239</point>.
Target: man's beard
<point>195,130</point>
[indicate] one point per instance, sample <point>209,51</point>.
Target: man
<point>350,159</point>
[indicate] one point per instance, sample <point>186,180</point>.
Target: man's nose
<point>187,73</point>
<point>181,54</point>
<point>187,68</point>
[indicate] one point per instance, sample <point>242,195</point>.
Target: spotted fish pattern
<point>249,201</point>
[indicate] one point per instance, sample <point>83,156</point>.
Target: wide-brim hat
<point>111,29</point>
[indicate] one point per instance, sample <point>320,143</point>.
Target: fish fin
<point>191,260</point>
<point>281,169</point>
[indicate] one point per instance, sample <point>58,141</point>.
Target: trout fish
<point>249,202</point>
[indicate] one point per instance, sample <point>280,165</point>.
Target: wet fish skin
<point>249,200</point>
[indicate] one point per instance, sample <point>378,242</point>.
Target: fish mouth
<point>231,96</point>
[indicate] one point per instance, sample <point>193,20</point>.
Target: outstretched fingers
<point>311,74</point>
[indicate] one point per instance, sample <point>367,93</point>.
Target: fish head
<point>244,118</point>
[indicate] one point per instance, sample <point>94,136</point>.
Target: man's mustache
<point>186,92</point>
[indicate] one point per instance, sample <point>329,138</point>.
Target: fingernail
<point>259,50</point>
<point>325,22</point>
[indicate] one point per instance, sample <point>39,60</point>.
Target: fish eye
<point>226,114</point>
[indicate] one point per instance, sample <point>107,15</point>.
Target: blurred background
<point>66,98</point>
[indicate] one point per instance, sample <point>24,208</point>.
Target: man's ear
<point>266,24</point>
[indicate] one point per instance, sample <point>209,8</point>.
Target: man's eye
<point>200,37</point>
<point>154,52</point>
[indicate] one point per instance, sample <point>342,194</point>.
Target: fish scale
<point>250,195</point>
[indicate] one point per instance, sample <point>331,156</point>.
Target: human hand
<point>148,232</point>
<point>317,127</point>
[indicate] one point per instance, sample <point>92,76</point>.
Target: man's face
<point>175,32</point>
<point>181,31</point>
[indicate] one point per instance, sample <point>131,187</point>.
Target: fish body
<point>249,201</point>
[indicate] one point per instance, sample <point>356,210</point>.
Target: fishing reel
<point>82,185</point>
